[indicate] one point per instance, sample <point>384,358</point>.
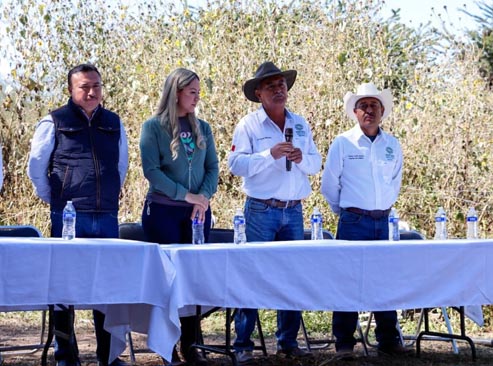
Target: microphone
<point>288,133</point>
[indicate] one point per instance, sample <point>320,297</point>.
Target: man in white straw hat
<point>275,180</point>
<point>361,182</point>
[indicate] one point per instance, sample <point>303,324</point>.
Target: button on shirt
<point>263,176</point>
<point>362,174</point>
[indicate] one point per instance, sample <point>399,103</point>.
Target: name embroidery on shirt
<point>356,157</point>
<point>390,153</point>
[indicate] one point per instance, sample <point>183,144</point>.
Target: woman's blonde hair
<point>167,111</point>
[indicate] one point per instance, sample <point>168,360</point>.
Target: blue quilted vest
<point>84,162</point>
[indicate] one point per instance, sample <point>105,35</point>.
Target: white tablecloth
<point>334,274</point>
<point>128,281</point>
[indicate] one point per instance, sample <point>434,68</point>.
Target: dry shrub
<point>442,110</point>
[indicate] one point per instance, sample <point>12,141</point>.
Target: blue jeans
<point>265,223</point>
<point>87,225</point>
<point>352,226</point>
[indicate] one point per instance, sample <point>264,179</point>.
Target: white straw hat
<point>368,90</point>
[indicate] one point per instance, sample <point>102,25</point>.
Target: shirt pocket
<point>387,169</point>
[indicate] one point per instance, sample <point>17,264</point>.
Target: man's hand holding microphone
<point>292,154</point>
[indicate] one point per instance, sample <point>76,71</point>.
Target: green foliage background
<point>442,106</point>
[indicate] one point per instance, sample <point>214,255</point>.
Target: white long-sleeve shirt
<point>42,146</point>
<point>263,176</point>
<point>361,173</point>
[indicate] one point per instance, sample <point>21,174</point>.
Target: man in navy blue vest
<point>79,152</point>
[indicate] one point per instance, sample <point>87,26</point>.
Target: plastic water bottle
<point>197,231</point>
<point>472,224</point>
<point>239,227</point>
<point>441,224</point>
<point>69,216</point>
<point>394,225</point>
<point>316,222</point>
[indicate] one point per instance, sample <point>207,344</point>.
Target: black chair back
<point>221,235</point>
<point>132,231</point>
<point>411,235</point>
<point>25,231</point>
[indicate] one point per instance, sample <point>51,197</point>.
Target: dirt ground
<point>16,330</point>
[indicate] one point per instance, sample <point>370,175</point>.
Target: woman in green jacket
<point>180,162</point>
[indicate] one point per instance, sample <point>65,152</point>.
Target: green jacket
<point>171,177</point>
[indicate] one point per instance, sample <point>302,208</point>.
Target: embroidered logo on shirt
<point>299,130</point>
<point>233,148</point>
<point>390,153</point>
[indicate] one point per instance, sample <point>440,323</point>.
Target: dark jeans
<point>87,225</point>
<point>265,223</point>
<point>172,225</point>
<point>352,226</point>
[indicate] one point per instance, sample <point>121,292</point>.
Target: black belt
<point>374,214</point>
<point>272,202</point>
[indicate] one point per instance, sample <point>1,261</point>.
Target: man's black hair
<point>81,68</point>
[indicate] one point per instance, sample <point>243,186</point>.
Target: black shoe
<point>294,352</point>
<point>345,354</point>
<point>116,362</point>
<point>196,357</point>
<point>394,350</point>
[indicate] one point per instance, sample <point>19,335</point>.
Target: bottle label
<point>239,221</point>
<point>440,219</point>
<point>394,220</point>
<point>316,220</point>
<point>472,219</point>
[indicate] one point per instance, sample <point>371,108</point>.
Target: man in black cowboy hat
<point>273,210</point>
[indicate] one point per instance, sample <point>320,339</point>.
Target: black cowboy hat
<point>266,70</point>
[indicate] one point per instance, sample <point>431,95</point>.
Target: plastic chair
<point>411,338</point>
<point>423,318</point>
<point>133,231</point>
<point>25,231</point>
